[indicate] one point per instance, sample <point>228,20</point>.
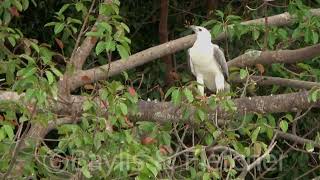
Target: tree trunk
<point>163,35</point>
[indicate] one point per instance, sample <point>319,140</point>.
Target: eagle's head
<point>201,32</point>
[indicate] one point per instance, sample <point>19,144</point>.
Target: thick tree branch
<point>145,56</point>
<point>281,56</point>
<point>267,80</point>
<point>166,112</point>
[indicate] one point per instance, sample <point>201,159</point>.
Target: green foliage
<point>108,140</point>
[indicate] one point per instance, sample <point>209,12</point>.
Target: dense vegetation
<point>88,91</point>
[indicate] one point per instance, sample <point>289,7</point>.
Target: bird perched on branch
<point>208,63</point>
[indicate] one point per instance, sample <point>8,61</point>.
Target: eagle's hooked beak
<point>192,27</point>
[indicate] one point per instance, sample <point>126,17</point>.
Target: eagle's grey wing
<point>220,58</point>
<point>190,62</point>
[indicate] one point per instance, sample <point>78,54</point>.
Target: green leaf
<point>201,115</point>
<point>315,37</point>
<point>56,71</point>
<point>29,73</point>
<point>79,6</point>
<point>255,134</point>
<point>289,117</point>
<point>58,27</point>
<point>125,27</point>
<point>95,33</point>
<point>122,51</point>
<point>243,73</point>
<point>23,119</point>
<point>272,120</point>
<point>282,33</point>
<point>284,125</point>
<point>35,47</point>
<point>219,13</point>
<point>87,105</point>
<point>85,171</point>
<point>176,97</point>
<point>124,108</point>
<point>2,134</point>
<point>25,4</point>
<point>188,95</point>
<point>269,133</point>
<point>64,7</point>
<point>46,54</point>
<point>255,34</point>
<point>307,35</point>
<point>310,147</point>
<point>206,176</point>
<point>50,24</point>
<point>17,4</point>
<point>105,26</point>
<point>216,29</point>
<point>8,129</point>
<point>50,77</point>
<point>100,47</point>
<point>296,33</point>
<point>27,57</point>
<point>169,92</point>
<point>110,45</point>
<point>12,41</point>
<point>152,169</point>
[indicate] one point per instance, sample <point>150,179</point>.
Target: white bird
<point>208,63</point>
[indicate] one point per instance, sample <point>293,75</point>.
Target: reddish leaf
<point>85,78</point>
<point>132,91</point>
<point>148,140</point>
<point>59,42</point>
<point>260,68</point>
<point>14,122</point>
<point>174,75</point>
<point>128,122</point>
<point>164,150</point>
<point>14,11</point>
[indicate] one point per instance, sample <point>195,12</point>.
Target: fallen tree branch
<point>267,80</point>
<point>281,56</point>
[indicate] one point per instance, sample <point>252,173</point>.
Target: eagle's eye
<point>200,29</point>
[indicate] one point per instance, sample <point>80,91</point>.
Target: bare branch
<point>281,56</point>
<point>267,80</point>
<point>297,139</point>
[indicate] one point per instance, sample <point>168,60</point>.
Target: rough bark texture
<point>165,111</point>
<point>281,56</point>
<point>267,80</point>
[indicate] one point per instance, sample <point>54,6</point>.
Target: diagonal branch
<point>145,56</point>
<point>81,53</point>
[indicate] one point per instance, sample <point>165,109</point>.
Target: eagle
<point>208,63</point>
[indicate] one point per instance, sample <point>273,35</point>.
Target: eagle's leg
<point>200,84</point>
<point>219,81</point>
